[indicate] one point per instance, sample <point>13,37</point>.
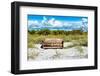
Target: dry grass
<point>78,40</point>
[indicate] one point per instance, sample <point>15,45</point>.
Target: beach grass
<point>77,39</point>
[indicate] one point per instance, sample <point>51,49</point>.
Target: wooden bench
<point>51,43</point>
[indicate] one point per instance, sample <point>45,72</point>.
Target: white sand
<point>38,53</point>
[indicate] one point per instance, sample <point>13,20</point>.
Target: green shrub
<point>39,36</point>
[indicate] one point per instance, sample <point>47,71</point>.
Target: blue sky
<point>61,18</point>
<point>56,22</point>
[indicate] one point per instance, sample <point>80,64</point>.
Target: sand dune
<point>38,53</point>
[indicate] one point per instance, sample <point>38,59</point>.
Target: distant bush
<point>43,32</point>
<point>32,32</point>
<point>56,32</point>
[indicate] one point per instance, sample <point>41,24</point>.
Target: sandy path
<point>38,53</point>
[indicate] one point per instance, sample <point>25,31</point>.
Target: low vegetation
<point>77,37</point>
<point>78,40</point>
<point>32,54</point>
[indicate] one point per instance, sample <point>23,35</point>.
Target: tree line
<point>55,32</point>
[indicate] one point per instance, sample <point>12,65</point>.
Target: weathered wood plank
<point>52,43</point>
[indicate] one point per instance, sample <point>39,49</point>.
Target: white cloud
<point>72,23</point>
<point>85,24</point>
<point>35,22</point>
<point>65,23</point>
<point>44,19</point>
<point>51,21</point>
<point>54,23</point>
<point>58,23</point>
<point>84,20</point>
<point>31,22</point>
